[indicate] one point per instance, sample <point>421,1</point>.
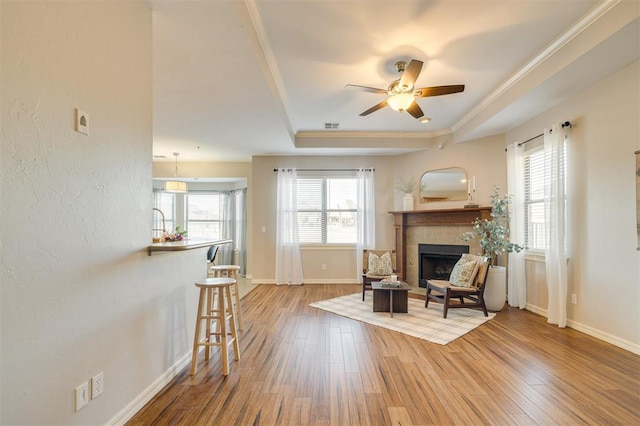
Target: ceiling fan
<point>401,94</point>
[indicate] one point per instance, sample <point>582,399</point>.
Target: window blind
<point>534,200</point>
<point>327,210</point>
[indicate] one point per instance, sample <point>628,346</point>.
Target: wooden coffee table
<point>390,299</point>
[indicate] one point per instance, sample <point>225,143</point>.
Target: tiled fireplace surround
<point>431,227</point>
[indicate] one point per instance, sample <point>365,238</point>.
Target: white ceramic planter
<point>495,291</point>
<point>407,202</point>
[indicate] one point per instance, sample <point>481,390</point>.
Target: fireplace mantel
<point>404,219</point>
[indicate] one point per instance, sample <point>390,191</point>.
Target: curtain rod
<point>329,170</point>
<point>565,124</point>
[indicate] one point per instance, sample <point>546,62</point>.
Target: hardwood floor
<point>303,366</point>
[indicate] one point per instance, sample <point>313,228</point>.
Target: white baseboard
<point>609,338</point>
<point>309,281</point>
<point>134,406</point>
<point>536,310</point>
<point>338,281</point>
<point>593,332</point>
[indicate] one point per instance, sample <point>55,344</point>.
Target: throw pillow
<point>463,273</point>
<point>380,265</point>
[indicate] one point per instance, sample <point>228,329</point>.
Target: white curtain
<point>366,217</point>
<point>517,283</point>
<point>288,259</point>
<point>240,239</point>
<point>225,253</point>
<point>555,226</point>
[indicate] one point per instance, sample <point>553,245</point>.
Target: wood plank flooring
<point>303,366</point>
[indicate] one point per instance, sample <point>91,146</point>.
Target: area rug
<point>423,323</point>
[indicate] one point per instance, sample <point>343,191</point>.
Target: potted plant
<point>493,237</point>
<point>407,188</point>
<point>178,235</point>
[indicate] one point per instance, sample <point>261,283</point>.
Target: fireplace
<point>436,261</point>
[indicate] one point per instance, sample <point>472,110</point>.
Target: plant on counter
<point>494,234</point>
<point>178,235</point>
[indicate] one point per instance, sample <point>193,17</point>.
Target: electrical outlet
<point>574,298</point>
<point>324,266</point>
<point>97,385</point>
<point>82,122</point>
<point>82,395</point>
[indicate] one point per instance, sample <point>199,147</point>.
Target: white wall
<point>241,171</point>
<point>340,263</point>
<point>79,294</point>
<point>483,158</point>
<point>605,265</point>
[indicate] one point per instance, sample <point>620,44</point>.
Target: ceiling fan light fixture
<point>400,101</point>
<point>425,119</point>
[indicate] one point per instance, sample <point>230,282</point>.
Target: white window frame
<point>528,201</point>
<point>169,213</point>
<point>325,212</point>
<point>223,223</point>
<point>538,254</point>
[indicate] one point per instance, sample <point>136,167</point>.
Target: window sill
<point>534,256</point>
<point>348,247</point>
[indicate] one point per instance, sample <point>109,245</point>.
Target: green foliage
<point>494,233</point>
<point>178,235</point>
<point>406,187</point>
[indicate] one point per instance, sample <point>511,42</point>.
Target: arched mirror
<point>444,185</point>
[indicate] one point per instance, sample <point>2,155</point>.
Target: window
<point>534,200</point>
<point>166,202</point>
<point>206,215</point>
<point>534,182</point>
<point>327,210</point>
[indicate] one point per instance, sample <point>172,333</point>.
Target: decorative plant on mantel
<point>494,234</point>
<point>406,187</point>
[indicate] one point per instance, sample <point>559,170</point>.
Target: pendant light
<point>175,186</point>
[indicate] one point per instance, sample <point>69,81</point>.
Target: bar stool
<point>230,271</point>
<point>215,304</point>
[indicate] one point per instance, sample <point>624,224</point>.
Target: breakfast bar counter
<point>187,244</point>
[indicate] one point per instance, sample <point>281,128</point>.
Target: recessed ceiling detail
<point>284,65</point>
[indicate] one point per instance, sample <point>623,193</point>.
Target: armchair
<point>371,274</point>
<point>468,297</point>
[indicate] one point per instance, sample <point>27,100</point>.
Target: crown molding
<point>592,16</point>
<point>267,60</point>
<point>371,134</point>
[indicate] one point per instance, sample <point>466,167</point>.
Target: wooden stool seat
<point>215,304</point>
<point>230,271</point>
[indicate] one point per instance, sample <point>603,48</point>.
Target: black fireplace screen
<point>437,260</point>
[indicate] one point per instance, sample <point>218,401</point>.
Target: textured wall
<point>603,255</point>
<point>79,294</point>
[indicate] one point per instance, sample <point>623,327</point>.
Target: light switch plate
<point>81,395</point>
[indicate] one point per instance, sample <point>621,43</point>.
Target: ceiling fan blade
<point>438,90</point>
<point>368,89</point>
<point>415,110</point>
<point>410,74</point>
<point>374,108</point>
